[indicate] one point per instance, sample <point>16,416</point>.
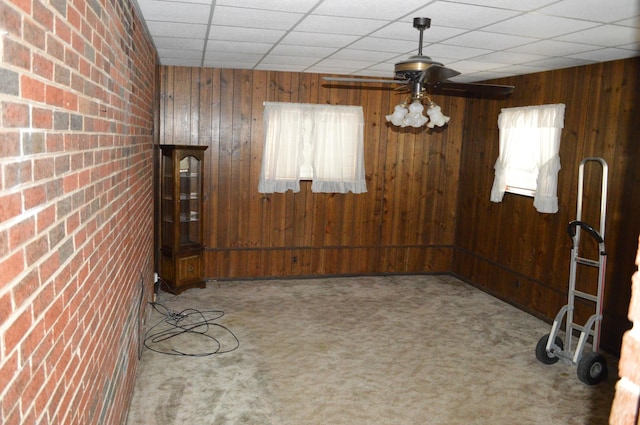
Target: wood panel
<point>404,223</point>
<point>502,244</point>
<point>427,207</point>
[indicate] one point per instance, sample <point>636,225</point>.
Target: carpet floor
<point>396,350</point>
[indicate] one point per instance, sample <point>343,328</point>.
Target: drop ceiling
<point>482,39</point>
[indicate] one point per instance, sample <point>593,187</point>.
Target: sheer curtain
<point>281,161</point>
<point>542,126</point>
<point>325,140</point>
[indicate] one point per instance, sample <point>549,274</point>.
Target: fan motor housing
<point>413,66</point>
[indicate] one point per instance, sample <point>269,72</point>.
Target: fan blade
<point>472,89</point>
<point>363,80</point>
<point>437,73</point>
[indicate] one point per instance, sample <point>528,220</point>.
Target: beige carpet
<point>379,350</point>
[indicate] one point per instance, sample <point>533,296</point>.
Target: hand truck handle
<point>571,229</point>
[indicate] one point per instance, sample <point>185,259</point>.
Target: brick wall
<point>625,409</point>
<point>76,214</point>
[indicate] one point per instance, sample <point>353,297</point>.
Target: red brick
<point>43,15</point>
<point>17,173</point>
<point>9,143</point>
<point>42,169</point>
<point>70,183</point>
<point>55,142</point>
<point>16,54</point>
<point>36,250</point>
<point>33,34</point>
<point>21,232</point>
<point>11,19</point>
<point>42,66</point>
<point>34,196</point>
<point>15,115</point>
<point>42,118</point>
<point>63,31</point>
<point>16,330</point>
<point>70,101</point>
<point>54,96</point>
<point>10,267</point>
<point>45,218</point>
<point>49,266</point>
<point>10,206</point>
<point>33,339</point>
<point>31,88</point>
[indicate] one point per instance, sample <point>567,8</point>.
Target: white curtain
<point>542,126</point>
<point>326,139</point>
<point>281,161</point>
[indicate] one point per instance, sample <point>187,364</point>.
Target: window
<point>528,162</point>
<point>321,143</point>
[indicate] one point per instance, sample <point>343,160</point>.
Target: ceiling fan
<point>420,73</point>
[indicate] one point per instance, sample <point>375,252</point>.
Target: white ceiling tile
<point>467,66</point>
<point>223,32</point>
<point>558,63</point>
<point>293,60</point>
<point>315,39</point>
<point>594,10</point>
<point>245,58</point>
<point>442,53</point>
<point>179,43</point>
<point>181,54</point>
<point>481,39</point>
<point>386,10</point>
<point>363,55</point>
<point>254,18</point>
<point>460,15</point>
<point>339,25</point>
<point>508,57</point>
<point>606,54</point>
<point>367,37</point>
<point>405,31</point>
<point>523,6</point>
<point>172,29</point>
<point>385,45</point>
<point>156,10</point>
<point>296,6</point>
<point>539,26</point>
<point>631,22</point>
<point>605,36</point>
<point>553,48</point>
<point>237,47</point>
<point>520,69</point>
<point>308,51</point>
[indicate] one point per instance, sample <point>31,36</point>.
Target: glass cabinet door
<point>167,207</point>
<point>190,205</point>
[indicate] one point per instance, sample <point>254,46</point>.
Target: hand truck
<point>592,366</point>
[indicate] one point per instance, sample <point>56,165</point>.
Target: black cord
<point>188,321</point>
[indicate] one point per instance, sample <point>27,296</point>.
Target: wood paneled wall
<point>427,208</point>
<point>404,223</point>
<point>521,255</point>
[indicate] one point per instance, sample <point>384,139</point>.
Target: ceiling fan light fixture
<point>398,116</point>
<point>437,117</point>
<point>407,114</point>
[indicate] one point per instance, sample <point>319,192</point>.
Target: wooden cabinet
<point>181,216</point>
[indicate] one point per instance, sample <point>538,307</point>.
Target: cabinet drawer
<point>189,268</point>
